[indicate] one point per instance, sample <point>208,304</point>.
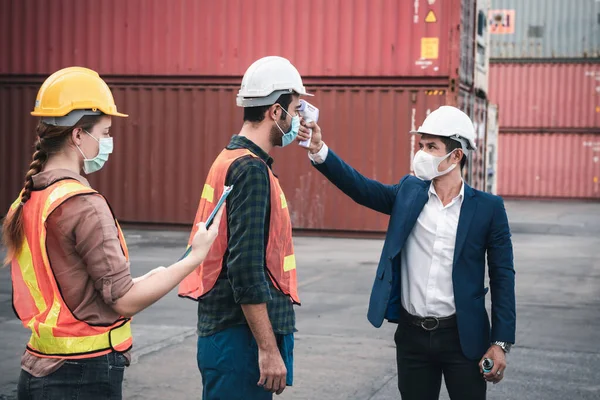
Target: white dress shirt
<point>427,258</point>
<point>428,255</point>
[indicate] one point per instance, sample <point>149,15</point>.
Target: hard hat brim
<point>73,117</point>
<point>266,100</point>
<point>51,114</point>
<point>418,132</point>
<point>306,94</point>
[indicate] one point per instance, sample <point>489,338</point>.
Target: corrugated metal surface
<point>476,108</point>
<point>554,165</point>
<point>164,149</point>
<point>492,149</point>
<point>546,95</point>
<point>222,38</point>
<point>369,129</point>
<point>482,47</point>
<point>545,28</point>
<point>17,137</point>
<point>478,160</point>
<point>467,41</point>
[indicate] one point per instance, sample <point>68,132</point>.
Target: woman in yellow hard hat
<point>72,285</point>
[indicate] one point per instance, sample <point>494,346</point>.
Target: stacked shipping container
<point>545,29</point>
<point>545,77</point>
<point>377,68</point>
<point>324,38</point>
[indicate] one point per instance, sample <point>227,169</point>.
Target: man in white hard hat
<point>246,287</point>
<point>431,275</point>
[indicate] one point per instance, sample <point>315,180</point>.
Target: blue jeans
<point>228,362</point>
<point>98,378</point>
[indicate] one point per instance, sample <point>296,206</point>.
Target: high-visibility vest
<point>280,259</point>
<point>37,298</point>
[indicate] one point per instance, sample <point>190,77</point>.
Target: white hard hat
<point>267,79</point>
<point>450,122</point>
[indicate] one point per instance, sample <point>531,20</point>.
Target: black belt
<point>429,323</point>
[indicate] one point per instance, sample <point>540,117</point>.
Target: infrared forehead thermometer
<point>309,113</point>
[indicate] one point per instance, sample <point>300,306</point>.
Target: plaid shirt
<point>244,278</point>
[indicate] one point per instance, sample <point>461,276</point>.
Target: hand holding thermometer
<point>309,113</point>
<point>211,217</point>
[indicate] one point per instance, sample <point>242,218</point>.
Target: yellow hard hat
<point>69,94</point>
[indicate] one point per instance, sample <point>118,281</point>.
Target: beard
<point>275,136</point>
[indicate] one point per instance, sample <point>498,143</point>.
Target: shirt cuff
<point>256,294</point>
<point>321,156</point>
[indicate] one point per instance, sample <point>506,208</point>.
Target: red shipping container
<point>164,149</point>
<point>549,165</point>
<point>548,95</point>
<point>17,137</point>
<point>379,38</point>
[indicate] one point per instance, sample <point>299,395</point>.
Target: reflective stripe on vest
<point>280,258</point>
<point>55,332</point>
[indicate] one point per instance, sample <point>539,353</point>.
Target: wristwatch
<point>505,346</point>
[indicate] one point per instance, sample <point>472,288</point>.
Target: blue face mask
<point>105,147</point>
<point>290,136</point>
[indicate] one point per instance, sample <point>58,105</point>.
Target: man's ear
<point>458,154</point>
<point>274,112</point>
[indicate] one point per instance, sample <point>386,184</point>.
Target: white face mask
<point>426,165</point>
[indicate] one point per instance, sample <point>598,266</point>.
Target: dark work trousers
<point>97,378</point>
<point>423,356</point>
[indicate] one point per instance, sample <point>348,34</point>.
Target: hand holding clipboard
<point>212,215</point>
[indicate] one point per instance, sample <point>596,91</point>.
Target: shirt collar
<point>241,142</point>
<point>47,178</point>
<point>461,194</point>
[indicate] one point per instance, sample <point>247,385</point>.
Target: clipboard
<point>211,217</point>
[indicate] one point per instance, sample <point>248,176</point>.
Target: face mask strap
<point>450,168</point>
<point>79,148</point>
<point>447,156</point>
<point>81,151</point>
<point>93,137</point>
<point>285,111</point>
<point>281,130</point>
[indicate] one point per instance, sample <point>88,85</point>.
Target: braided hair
<point>50,140</point>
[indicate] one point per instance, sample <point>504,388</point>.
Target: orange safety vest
<point>37,299</point>
<point>280,259</point>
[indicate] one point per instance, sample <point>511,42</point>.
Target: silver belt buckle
<point>428,319</point>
